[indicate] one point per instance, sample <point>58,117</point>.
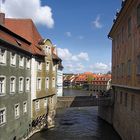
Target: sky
<point>78,28</point>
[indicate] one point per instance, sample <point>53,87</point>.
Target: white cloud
<point>79,68</point>
<point>96,23</point>
<point>100,67</point>
<point>83,56</point>
<point>29,9</point>
<point>68,34</point>
<point>66,55</point>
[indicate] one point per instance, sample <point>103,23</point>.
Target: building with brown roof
<point>42,64</point>
<point>15,91</point>
<point>126,70</point>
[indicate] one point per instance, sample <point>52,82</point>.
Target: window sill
<point>2,124</point>
<point>17,117</point>
<point>2,94</point>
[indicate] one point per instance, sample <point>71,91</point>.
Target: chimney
<point>2,18</point>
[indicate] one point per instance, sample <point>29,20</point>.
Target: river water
<point>80,123</point>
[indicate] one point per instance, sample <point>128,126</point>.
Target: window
<point>122,69</point>
<point>2,85</point>
<point>28,63</point>
<point>49,50</point>
<point>122,34</point>
<point>13,59</point>
<point>2,115</point>
<point>132,102</point>
<point>21,61</point>
<point>38,83</point>
<point>47,83</point>
<point>47,66</point>
<point>2,56</point>
<point>17,111</point>
<point>27,84</point>
<point>129,26</point>
<point>120,97</point>
<point>12,84</point>
<point>39,66</point>
<point>21,84</point>
<point>45,102</point>
<point>53,82</point>
<point>125,99</point>
<point>129,67</point>
<point>138,15</point>
<point>24,107</point>
<point>138,64</point>
<point>37,105</point>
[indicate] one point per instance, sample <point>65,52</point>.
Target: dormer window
<point>2,56</point>
<point>21,61</point>
<point>13,59</point>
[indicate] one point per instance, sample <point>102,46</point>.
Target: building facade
<point>15,91</point>
<point>28,79</point>
<point>126,69</point>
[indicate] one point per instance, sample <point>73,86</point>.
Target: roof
<point>120,15</point>
<point>26,29</point>
<point>15,40</point>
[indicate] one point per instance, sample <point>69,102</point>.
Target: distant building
<point>125,36</point>
<point>98,83</point>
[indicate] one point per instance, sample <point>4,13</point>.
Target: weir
<point>83,101</point>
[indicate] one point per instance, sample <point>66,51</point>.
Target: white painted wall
<point>59,83</point>
<point>33,82</point>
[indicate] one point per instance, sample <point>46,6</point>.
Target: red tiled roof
<point>26,29</point>
<point>12,38</point>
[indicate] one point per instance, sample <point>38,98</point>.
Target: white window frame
<point>39,65</point>
<point>47,65</point>
<point>17,110</point>
<point>28,63</point>
<point>3,56</point>
<point>37,105</point>
<point>14,85</point>
<point>2,116</point>
<point>53,82</point>
<point>47,82</point>
<point>28,84</point>
<point>21,84</point>
<point>21,61</point>
<point>39,83</point>
<point>25,107</point>
<point>45,102</point>
<point>3,87</point>
<point>13,60</point>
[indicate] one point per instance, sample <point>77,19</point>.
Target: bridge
<point>82,101</point>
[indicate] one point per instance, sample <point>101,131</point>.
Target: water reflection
<point>78,124</point>
<point>72,92</point>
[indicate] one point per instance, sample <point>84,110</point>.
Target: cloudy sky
<point>78,28</point>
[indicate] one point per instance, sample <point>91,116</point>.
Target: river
<point>80,123</point>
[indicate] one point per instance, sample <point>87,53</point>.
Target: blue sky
<point>78,28</point>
